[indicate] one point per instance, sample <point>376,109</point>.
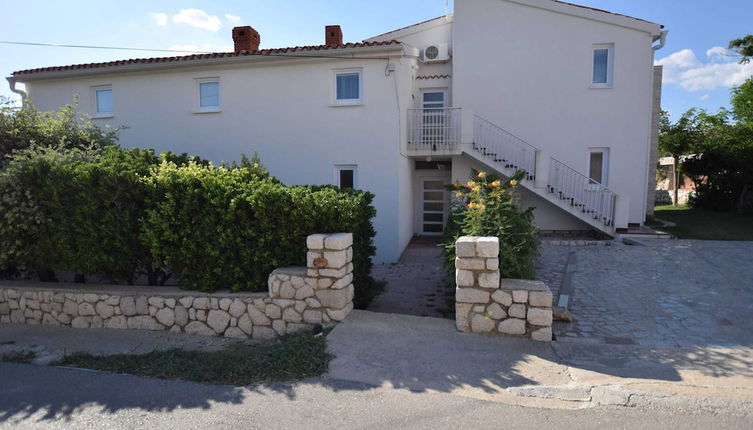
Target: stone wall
<point>298,298</point>
<point>484,303</point>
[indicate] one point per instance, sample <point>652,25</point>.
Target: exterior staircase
<point>549,178</point>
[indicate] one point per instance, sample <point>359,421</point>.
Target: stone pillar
<point>330,261</point>
<point>484,303</point>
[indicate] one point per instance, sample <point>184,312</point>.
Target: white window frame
<point>95,102</point>
<point>334,101</point>
<point>610,65</point>
<point>340,167</point>
<point>197,98</point>
<point>604,165</point>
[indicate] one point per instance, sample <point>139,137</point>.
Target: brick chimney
<point>333,35</point>
<point>246,39</point>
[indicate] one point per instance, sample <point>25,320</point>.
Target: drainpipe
<point>662,40</point>
<point>12,84</point>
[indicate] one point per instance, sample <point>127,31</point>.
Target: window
<point>208,95</point>
<point>103,101</point>
<point>346,176</point>
<point>598,163</point>
<point>348,87</point>
<point>603,66</point>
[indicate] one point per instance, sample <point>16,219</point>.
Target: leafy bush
<point>27,127</point>
<point>484,206</point>
<point>218,227</point>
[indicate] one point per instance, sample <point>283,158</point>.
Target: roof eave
<point>333,53</point>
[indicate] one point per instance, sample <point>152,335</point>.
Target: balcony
<point>434,130</point>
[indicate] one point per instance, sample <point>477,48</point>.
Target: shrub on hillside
<point>484,206</point>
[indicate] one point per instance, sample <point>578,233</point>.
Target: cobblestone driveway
<point>670,292</point>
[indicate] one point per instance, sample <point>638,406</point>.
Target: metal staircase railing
<point>581,192</point>
<point>504,147</point>
<point>566,184</point>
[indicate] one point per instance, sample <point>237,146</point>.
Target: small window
<point>346,176</point>
<point>597,166</point>
<point>603,60</point>
<point>348,87</point>
<point>208,95</point>
<point>103,101</point>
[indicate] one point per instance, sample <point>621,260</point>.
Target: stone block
<point>304,292</point>
<point>236,308</point>
<point>235,333</point>
<point>199,328</point>
<point>543,334</point>
<point>245,324</point>
<point>471,295</point>
<point>225,303</point>
<point>170,303</point>
<point>335,299</point>
<point>144,322</point>
<point>86,309</point>
<point>201,303</point>
<point>104,310</point>
<point>502,297</point>
<point>96,322</point>
<point>487,247</point>
<point>117,322</point>
<point>335,259</point>
<point>338,241</point>
<point>470,263</point>
<point>343,282</point>
<point>315,241</point>
<point>4,309</point>
<point>323,283</point>
<point>496,312</point>
<point>127,306</point>
<point>540,298</point>
<point>465,247</point>
<point>297,281</point>
<point>513,326</point>
<point>166,317</point>
<point>540,316</point>
<point>63,318</point>
<point>157,302</point>
<point>70,307</point>
<point>312,302</point>
<point>291,315</point>
<point>287,291</point>
<point>339,314</point>
<point>517,310</point>
<point>481,324</point>
<point>492,263</point>
<point>218,320</point>
<point>48,319</point>
<point>279,326</point>
<point>91,298</point>
<point>142,306</point>
<point>520,296</point>
<point>263,333</point>
<point>271,310</point>
<point>312,316</point>
<point>464,278</point>
<point>201,315</point>
<point>81,322</point>
<point>186,302</point>
<point>462,316</point>
<point>336,273</point>
<point>489,280</point>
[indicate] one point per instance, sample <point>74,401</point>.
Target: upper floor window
<point>348,87</point>
<point>603,66</point>
<point>346,176</point>
<point>208,95</point>
<point>103,101</point>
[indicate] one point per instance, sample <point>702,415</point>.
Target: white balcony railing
<point>436,129</point>
<point>579,191</point>
<point>503,147</point>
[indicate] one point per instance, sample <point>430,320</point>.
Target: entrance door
<point>433,103</point>
<point>433,206</point>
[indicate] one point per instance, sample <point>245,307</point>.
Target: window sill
<point>602,87</point>
<point>346,104</point>
<point>207,111</point>
<point>103,116</point>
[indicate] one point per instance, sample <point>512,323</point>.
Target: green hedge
<point>119,214</point>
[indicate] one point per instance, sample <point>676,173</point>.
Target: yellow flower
<point>470,184</point>
<point>458,194</point>
<point>513,183</point>
<point>495,184</point>
<point>476,188</point>
<point>481,175</point>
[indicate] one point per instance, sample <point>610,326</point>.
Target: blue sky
<point>697,73</point>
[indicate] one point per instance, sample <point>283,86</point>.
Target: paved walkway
<point>670,292</point>
<point>416,284</point>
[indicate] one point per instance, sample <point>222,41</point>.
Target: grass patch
<point>18,356</point>
<point>289,358</point>
<point>704,224</point>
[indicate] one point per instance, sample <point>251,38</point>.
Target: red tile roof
<point>262,52</point>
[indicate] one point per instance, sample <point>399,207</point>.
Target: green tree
<point>678,139</point>
<point>743,47</point>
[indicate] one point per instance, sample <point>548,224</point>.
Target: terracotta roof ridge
<point>268,51</point>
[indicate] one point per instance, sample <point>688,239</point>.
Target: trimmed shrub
<point>485,206</point>
<point>218,227</point>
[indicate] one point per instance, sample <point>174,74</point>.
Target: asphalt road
<point>49,397</point>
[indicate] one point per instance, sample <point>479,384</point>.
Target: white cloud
<point>686,70</point>
<point>718,53</point>
<point>198,18</point>
<point>159,18</point>
<point>233,19</point>
<point>704,97</point>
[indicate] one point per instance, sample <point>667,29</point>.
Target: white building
<point>565,92</point>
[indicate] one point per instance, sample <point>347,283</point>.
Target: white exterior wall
<point>283,112</point>
<point>529,71</point>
